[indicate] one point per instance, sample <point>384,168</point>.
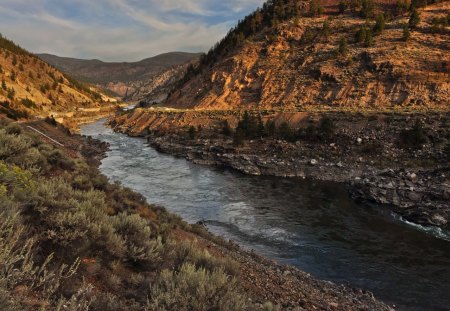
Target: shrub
<point>414,137</point>
<point>141,245</point>
<point>190,252</point>
<point>195,289</point>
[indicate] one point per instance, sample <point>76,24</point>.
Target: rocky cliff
<point>317,61</point>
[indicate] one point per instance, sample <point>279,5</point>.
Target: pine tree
<point>342,6</point>
<point>367,8</point>
<point>4,84</point>
<point>368,41</point>
<point>414,19</point>
<point>13,76</point>
<point>406,33</point>
<point>361,35</point>
<point>379,25</point>
<point>326,29</point>
<point>343,46</point>
<point>11,93</point>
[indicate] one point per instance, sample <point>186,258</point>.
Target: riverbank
<point>367,152</point>
<point>261,280</point>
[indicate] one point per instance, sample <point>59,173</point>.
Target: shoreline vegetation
<point>70,240</point>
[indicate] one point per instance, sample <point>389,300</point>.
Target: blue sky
<point>119,30</point>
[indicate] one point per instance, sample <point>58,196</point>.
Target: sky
<point>119,30</point>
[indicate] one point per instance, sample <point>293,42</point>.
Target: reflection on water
<point>314,226</point>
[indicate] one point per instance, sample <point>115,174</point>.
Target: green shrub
<point>190,252</point>
<point>195,289</point>
<point>414,137</point>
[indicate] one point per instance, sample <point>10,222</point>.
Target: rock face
<point>294,66</point>
<point>133,81</point>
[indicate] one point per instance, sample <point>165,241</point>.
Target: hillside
<point>302,58</point>
<point>129,80</point>
<point>31,88</point>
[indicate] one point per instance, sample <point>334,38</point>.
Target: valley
<point>302,163</point>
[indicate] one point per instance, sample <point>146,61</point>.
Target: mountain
<point>298,55</point>
<point>126,79</point>
<point>32,88</point>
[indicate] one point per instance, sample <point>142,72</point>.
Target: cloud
<point>119,30</point>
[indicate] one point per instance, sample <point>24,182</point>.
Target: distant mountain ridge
<point>122,78</point>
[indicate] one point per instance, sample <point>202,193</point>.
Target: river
<point>314,226</point>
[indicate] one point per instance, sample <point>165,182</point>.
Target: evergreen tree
<point>14,60</point>
<point>361,34</point>
<point>342,6</point>
<point>4,84</point>
<point>380,24</point>
<point>414,19</point>
<point>367,8</point>
<point>226,129</point>
<point>238,137</point>
<point>343,46</point>
<point>270,128</point>
<point>368,41</point>
<point>13,76</point>
<point>326,29</point>
<point>1,69</point>
<point>11,93</point>
<point>406,33</point>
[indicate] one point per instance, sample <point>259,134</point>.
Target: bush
<point>190,252</point>
<point>415,137</point>
<point>195,289</point>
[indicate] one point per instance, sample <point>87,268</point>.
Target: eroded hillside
<point>30,88</point>
<point>319,61</point>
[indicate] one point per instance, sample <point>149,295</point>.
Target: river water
<point>314,226</point>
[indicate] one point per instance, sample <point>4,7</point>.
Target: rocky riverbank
<point>366,152</point>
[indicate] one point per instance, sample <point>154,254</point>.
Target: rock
<point>412,176</point>
<point>439,220</point>
<point>359,141</point>
<point>314,162</point>
<point>339,164</point>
